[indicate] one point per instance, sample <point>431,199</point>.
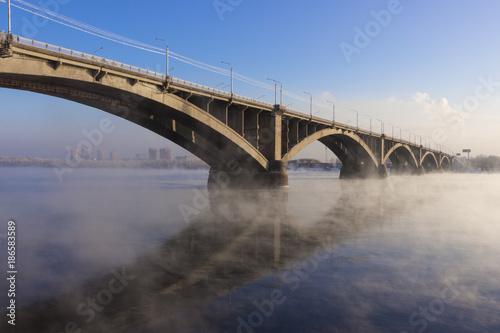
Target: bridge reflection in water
<point>188,283</point>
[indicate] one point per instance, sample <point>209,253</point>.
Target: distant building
<point>113,155</point>
<point>85,155</point>
<point>74,155</point>
<point>190,161</point>
<point>101,155</point>
<point>153,154</point>
<point>139,156</point>
<point>165,154</point>
<point>309,163</point>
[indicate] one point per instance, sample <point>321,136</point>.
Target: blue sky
<point>430,68</point>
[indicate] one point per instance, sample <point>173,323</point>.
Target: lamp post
<point>392,129</point>
<point>166,53</point>
<point>310,104</point>
<point>9,21</point>
<point>357,119</point>
<point>99,49</point>
<point>275,91</point>
<point>370,122</point>
<point>400,132</point>
<point>381,126</point>
<point>227,63</point>
<point>333,116</point>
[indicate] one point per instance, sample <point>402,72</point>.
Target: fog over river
<point>118,250</point>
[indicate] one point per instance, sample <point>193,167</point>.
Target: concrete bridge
<point>243,139</point>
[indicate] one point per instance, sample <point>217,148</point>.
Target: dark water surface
<point>147,251</point>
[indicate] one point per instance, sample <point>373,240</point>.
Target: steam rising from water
<point>355,256</point>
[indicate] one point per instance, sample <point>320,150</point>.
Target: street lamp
<point>166,53</point>
<point>357,119</point>
<point>392,129</point>
<point>381,126</point>
<point>333,117</point>
<point>261,97</point>
<point>310,104</point>
<point>227,63</point>
<point>9,19</point>
<point>400,132</point>
<point>220,84</point>
<point>275,91</point>
<point>99,49</point>
<point>370,122</point>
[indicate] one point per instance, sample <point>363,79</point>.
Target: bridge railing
<point>85,56</point>
<point>158,76</point>
<point>224,93</point>
<point>123,66</point>
<point>120,65</point>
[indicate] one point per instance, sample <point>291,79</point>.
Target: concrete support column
<point>420,170</point>
<point>276,177</point>
<point>382,149</point>
<point>382,171</point>
<point>276,145</point>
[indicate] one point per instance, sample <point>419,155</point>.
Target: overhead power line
<point>101,33</point>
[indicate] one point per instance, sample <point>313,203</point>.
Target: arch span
<point>356,157</point>
<point>445,163</point>
<point>403,159</point>
<point>429,161</point>
<point>138,99</point>
<point>405,150</point>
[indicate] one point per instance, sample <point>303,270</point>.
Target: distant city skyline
<point>423,68</point>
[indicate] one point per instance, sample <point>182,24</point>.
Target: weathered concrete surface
<point>276,177</point>
<point>222,130</point>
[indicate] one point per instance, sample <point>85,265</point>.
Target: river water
<point>148,251</point>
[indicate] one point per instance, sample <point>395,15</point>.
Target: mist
<point>402,254</point>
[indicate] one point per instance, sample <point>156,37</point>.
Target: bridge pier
<point>362,171</point>
<point>276,177</point>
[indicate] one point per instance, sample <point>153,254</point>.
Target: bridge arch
<point>351,150</point>
<point>402,158</point>
<point>136,98</point>
<point>429,161</point>
<point>404,148</point>
<point>445,163</point>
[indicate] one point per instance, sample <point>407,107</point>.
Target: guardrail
<point>85,56</point>
<point>182,83</point>
<point>120,65</point>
